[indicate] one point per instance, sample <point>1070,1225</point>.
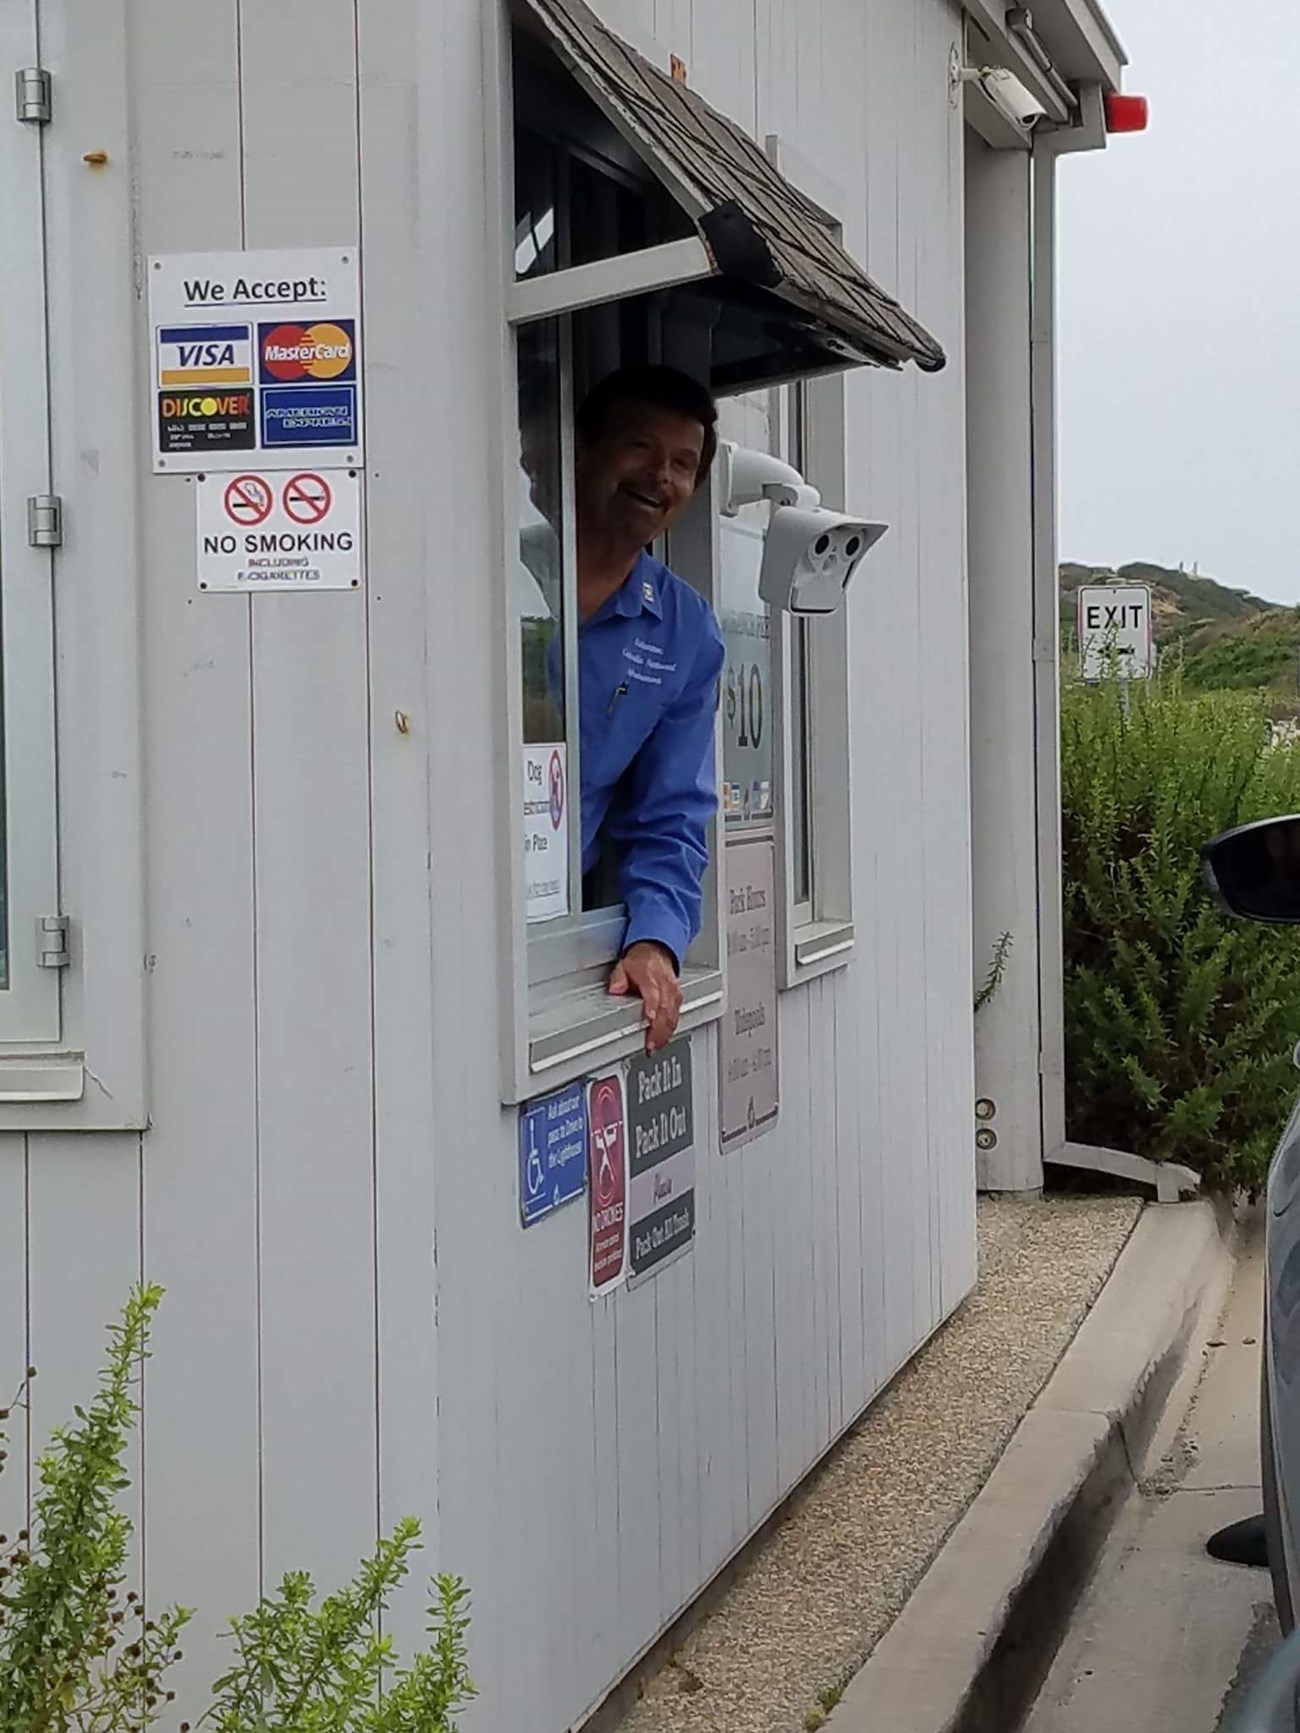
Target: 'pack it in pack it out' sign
<point>256,360</point>
<point>660,1156</point>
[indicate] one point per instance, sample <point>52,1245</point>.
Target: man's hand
<point>647,969</point>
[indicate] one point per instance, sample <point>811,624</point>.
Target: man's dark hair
<point>664,388</point>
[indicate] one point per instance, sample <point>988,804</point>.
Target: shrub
<point>74,1651</point>
<point>1180,1021</point>
<point>77,1655</point>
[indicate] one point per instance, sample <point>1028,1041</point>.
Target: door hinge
<point>45,521</point>
<point>52,942</point>
<point>35,92</point>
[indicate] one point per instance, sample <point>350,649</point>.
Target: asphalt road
<point>1166,1639</point>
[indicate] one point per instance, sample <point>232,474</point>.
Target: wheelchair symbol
<point>534,1172</point>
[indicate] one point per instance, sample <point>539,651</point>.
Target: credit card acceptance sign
<point>256,360</point>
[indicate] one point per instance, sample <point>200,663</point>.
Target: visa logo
<point>205,355</point>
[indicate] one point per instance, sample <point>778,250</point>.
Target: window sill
<point>575,1033</point>
<point>816,949</point>
<point>42,1077</point>
<point>54,1091</point>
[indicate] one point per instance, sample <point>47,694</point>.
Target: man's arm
<point>659,825</point>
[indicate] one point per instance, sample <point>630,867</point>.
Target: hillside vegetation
<point>1226,640</point>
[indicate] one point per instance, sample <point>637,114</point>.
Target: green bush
<point>1180,1021</point>
<point>1248,660</point>
<point>80,1655</point>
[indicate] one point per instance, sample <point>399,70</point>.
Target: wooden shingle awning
<point>798,301</point>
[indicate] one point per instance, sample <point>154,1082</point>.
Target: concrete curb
<point>973,1644</point>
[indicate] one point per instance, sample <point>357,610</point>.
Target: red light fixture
<point>1126,113</point>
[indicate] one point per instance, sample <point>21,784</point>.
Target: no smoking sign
<point>248,499</point>
<point>278,532</point>
<point>307,498</point>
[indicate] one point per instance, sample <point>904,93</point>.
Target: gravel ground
<point>856,1539</point>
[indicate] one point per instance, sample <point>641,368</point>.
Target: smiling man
<point>649,656</point>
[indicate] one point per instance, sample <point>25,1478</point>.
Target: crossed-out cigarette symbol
<point>606,1143</point>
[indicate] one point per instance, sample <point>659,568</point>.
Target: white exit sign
<point>1116,632</point>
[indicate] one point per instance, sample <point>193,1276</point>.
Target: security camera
<point>1013,100</point>
<point>809,555</point>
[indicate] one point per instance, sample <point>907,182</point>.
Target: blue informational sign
<point>299,415</point>
<point>552,1152</point>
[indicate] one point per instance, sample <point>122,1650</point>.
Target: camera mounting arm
<point>752,477</point>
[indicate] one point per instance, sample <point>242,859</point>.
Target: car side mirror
<point>1254,870</point>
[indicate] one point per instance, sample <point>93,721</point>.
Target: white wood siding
<point>355,1325</point>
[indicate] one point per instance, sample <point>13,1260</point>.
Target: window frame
<point>92,1076</point>
<point>815,931</point>
<point>815,935</point>
<point>557,1021</point>
<point>31,1000</point>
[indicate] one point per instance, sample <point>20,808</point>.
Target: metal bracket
<point>35,95</point>
<point>52,942</point>
<point>45,521</point>
<point>1168,1179</point>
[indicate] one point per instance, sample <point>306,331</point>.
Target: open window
<point>580,197</point>
<point>643,227</point>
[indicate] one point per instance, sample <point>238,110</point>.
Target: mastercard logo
<point>293,352</point>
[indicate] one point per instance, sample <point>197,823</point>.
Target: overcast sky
<point>1180,304</point>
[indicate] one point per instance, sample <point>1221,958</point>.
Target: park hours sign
<point>1116,631</point>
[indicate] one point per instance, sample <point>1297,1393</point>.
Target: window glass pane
<point>747,676</point>
<point>800,406</point>
<point>538,600</point>
<point>604,339</point>
<point>536,205</point>
<point>540,572</point>
<point>800,755</point>
<point>608,214</point>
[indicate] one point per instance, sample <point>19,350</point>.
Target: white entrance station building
<point>302,1008</point>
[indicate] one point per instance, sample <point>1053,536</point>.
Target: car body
<point>1280,1373</point>
<point>1254,870</point>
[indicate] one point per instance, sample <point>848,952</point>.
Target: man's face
<point>637,478</point>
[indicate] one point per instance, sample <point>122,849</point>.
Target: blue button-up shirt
<point>648,665</point>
